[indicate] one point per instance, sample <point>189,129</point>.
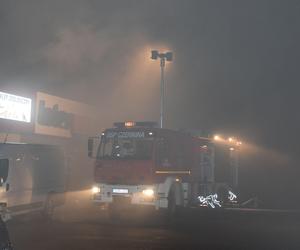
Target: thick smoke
<point>106,69</point>
<point>235,67</point>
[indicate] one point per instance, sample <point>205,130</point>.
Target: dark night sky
<point>236,67</point>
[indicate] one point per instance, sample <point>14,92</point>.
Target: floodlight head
<point>169,56</point>
<point>154,54</point>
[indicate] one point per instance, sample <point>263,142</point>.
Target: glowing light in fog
<point>217,138</point>
<point>129,124</point>
<point>95,190</point>
<point>148,192</point>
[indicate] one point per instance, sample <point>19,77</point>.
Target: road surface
<point>86,227</point>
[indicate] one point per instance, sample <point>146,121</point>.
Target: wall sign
<point>13,107</point>
<point>56,116</point>
<point>53,116</point>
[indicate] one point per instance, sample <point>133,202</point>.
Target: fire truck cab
<point>137,163</point>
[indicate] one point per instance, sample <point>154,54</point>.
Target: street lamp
<point>168,56</point>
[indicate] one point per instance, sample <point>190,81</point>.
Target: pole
<point>234,171</point>
<point>162,91</point>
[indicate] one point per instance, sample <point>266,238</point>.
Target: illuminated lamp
<point>129,124</point>
<point>217,138</point>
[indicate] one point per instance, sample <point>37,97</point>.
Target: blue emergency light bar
<point>131,124</point>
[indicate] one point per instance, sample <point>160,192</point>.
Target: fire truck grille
<point>122,201</point>
<point>126,181</point>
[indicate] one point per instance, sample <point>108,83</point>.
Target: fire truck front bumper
<point>124,196</point>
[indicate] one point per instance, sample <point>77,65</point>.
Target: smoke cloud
<point>235,67</point>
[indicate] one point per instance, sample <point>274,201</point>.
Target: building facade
<point>41,118</point>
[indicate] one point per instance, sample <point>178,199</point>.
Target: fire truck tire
<point>49,207</point>
<point>222,192</point>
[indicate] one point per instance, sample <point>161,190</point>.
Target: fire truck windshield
<point>124,145</point>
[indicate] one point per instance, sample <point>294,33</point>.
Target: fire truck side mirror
<point>90,147</point>
<point>4,164</point>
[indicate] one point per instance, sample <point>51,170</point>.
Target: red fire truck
<point>140,164</point>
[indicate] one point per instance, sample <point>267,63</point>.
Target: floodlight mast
<point>163,57</point>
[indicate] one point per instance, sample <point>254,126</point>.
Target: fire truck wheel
<point>49,207</point>
<point>222,195</point>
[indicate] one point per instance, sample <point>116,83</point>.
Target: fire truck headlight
<point>95,190</point>
<point>148,192</point>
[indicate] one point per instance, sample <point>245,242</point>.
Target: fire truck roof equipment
<point>131,124</point>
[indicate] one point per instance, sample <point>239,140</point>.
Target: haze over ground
<point>235,68</point>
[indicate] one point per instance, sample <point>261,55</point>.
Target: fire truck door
<point>163,153</point>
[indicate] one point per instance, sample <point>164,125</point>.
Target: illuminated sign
<point>13,107</point>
